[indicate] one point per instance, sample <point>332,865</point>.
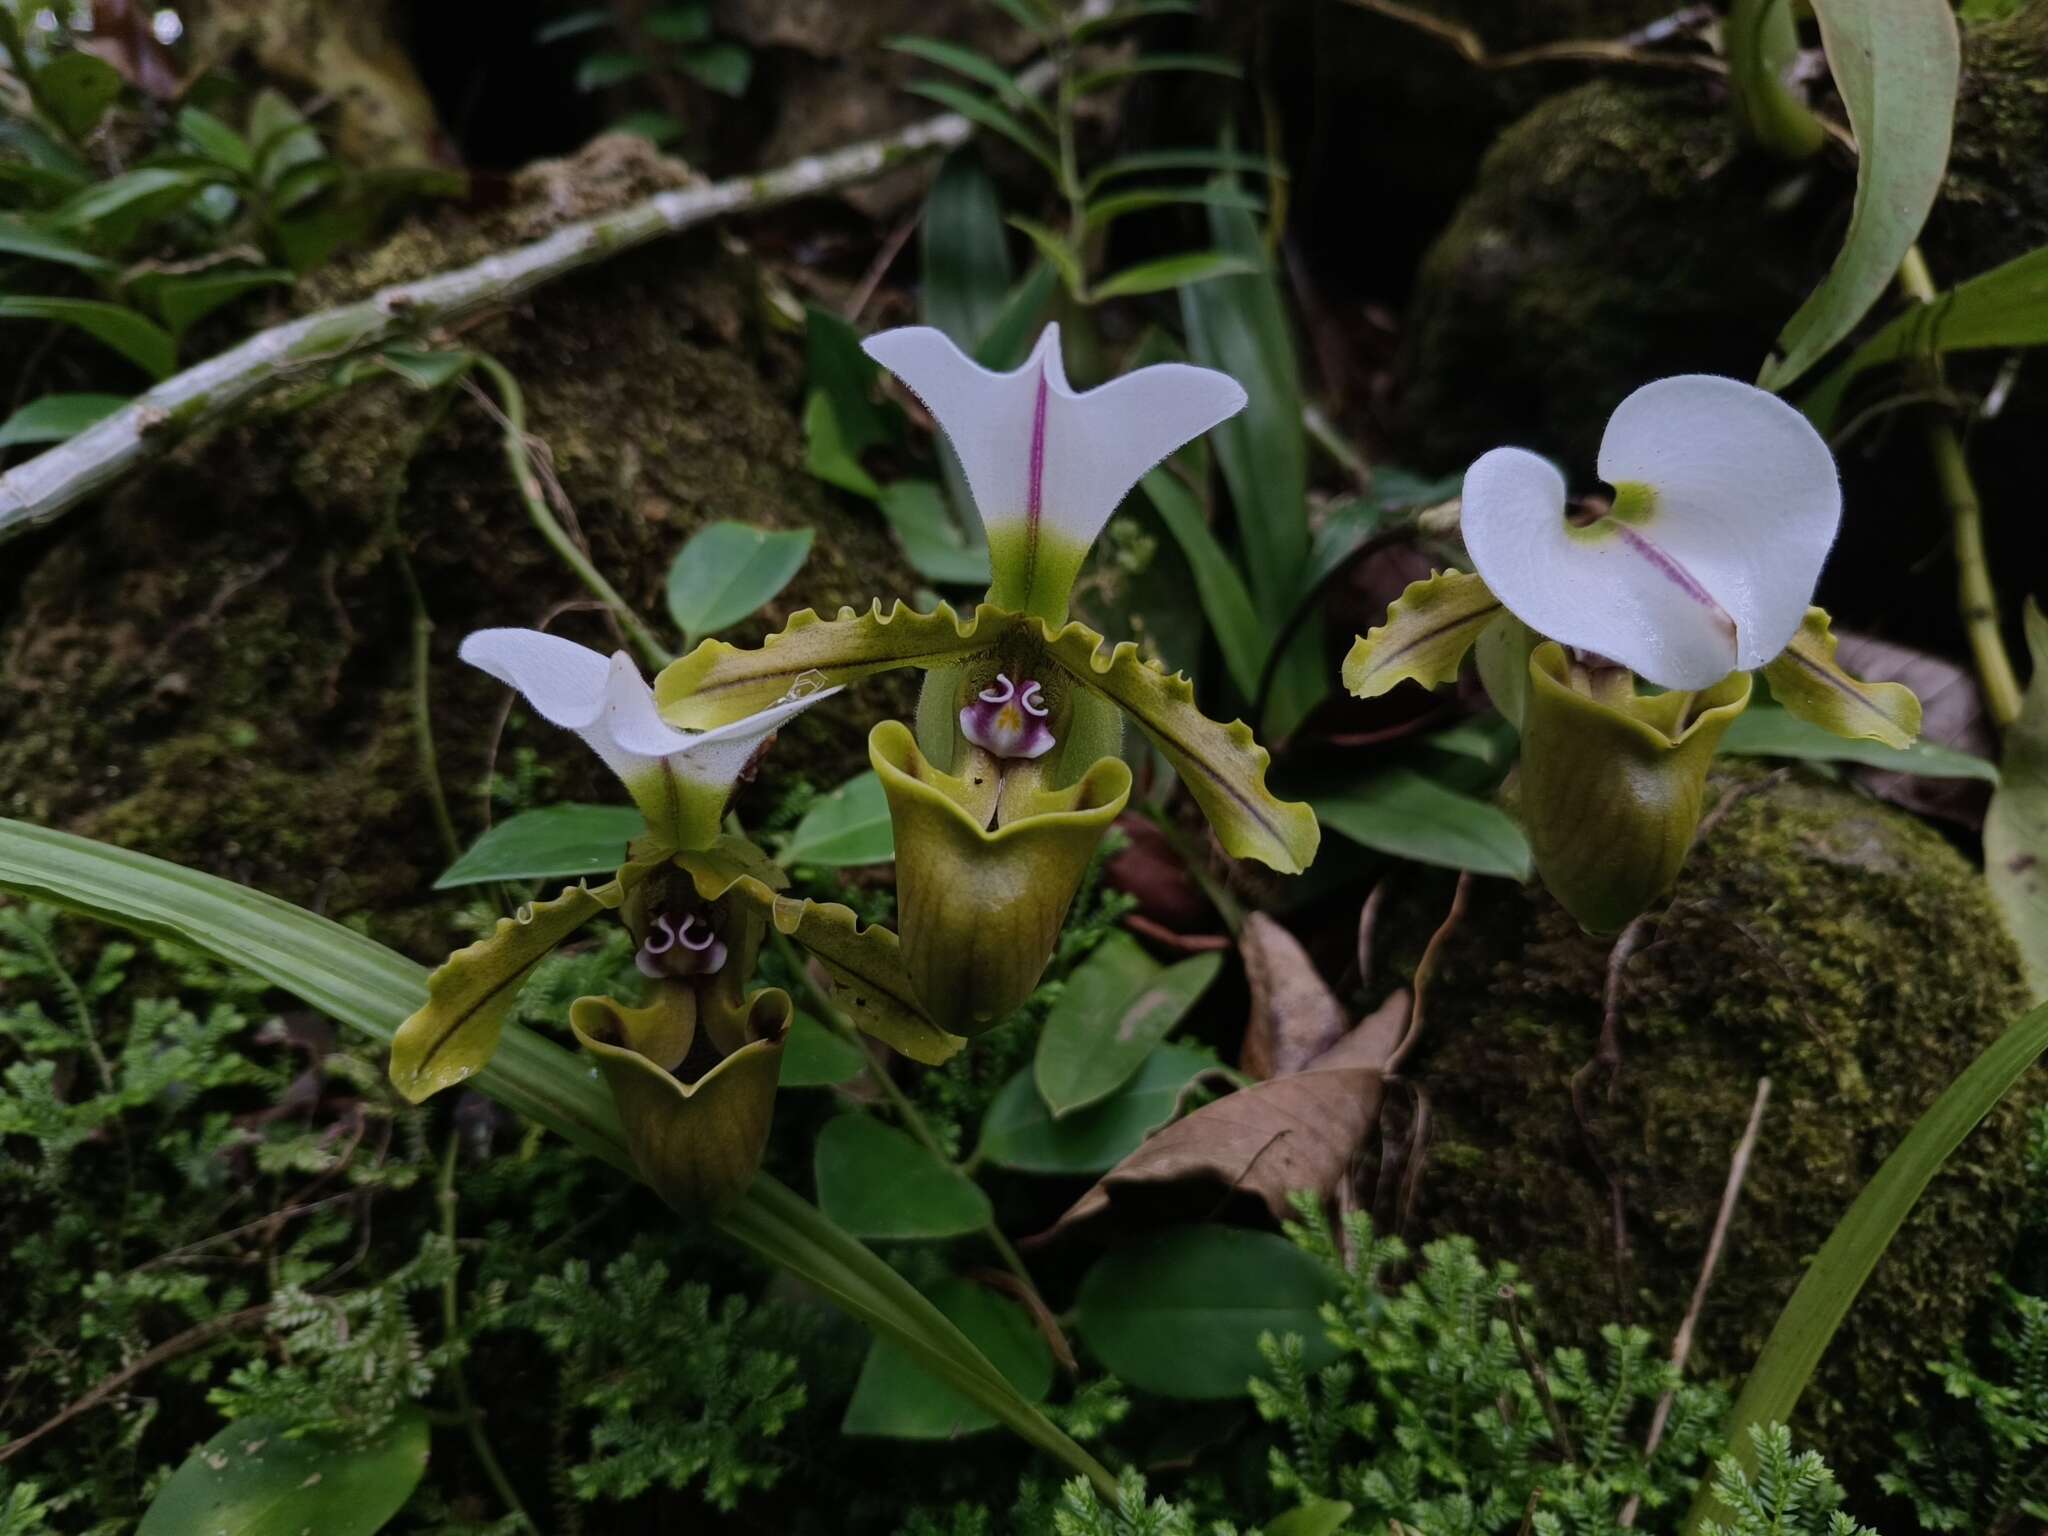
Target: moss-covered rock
<point>215,664</point>
<point>1817,937</point>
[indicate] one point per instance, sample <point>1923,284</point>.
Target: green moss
<point>214,664</point>
<point>1817,937</point>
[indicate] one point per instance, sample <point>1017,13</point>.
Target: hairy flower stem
<point>451,1324</point>
<point>510,410</point>
<point>1976,597</point>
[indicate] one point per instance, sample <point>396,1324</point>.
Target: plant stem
<point>1762,44</point>
<point>901,1102</point>
<point>511,410</point>
<point>1976,597</point>
<point>451,1325</point>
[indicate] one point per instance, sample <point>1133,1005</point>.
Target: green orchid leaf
<point>1404,813</point>
<point>1226,602</point>
<point>1183,271</point>
<point>876,1181</point>
<point>1429,629</point>
<point>1809,683</point>
<point>1765,730</point>
<point>984,113</point>
<point>718,683</point>
<point>76,89</point>
<point>697,1144</point>
<point>866,964</point>
<point>53,418</point>
<point>132,334</point>
<point>1223,766</point>
<point>449,1039</point>
<point>19,237</point>
<point>727,570</point>
<point>1896,63</point>
<point>980,911</point>
<point>897,1399</point>
<point>550,842</point>
<point>1115,1009</point>
<point>816,1057</point>
<point>1020,1132</point>
<point>2016,824</point>
<point>846,828</point>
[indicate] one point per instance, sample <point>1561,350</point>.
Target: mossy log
<point>1818,937</point>
<point>214,664</point>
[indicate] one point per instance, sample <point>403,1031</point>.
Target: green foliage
<point>1786,1495</point>
<point>681,1388</point>
<point>675,40</point>
<point>23,1511</point>
<point>1081,1512</point>
<point>1433,1417</point>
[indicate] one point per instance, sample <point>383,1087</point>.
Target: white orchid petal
<point>1601,591</point>
<point>562,680</point>
<point>719,757</point>
<point>1747,498</point>
<point>1048,466</point>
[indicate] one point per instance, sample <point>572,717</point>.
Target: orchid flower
<point>680,780</point>
<point>696,900</point>
<point>1699,569</point>
<point>1002,793</point>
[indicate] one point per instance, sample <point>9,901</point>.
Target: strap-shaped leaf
<point>718,683</point>
<point>456,1032</point>
<point>1223,765</point>
<point>1807,681</point>
<point>1429,629</point>
<point>865,963</point>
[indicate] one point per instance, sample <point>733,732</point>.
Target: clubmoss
<point>1817,937</point>
<point>214,663</point>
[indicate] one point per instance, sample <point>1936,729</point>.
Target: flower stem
<point>472,1421</point>
<point>1762,45</point>
<point>511,413</point>
<point>1976,597</point>
<point>906,1109</point>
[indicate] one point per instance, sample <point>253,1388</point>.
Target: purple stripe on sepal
<point>1035,499</point>
<point>1672,572</point>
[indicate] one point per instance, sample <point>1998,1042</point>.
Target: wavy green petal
<point>697,1144</point>
<point>980,909</point>
<point>866,965</point>
<point>456,1032</point>
<point>1429,629</point>
<point>1807,680</point>
<point>1223,765</point>
<point>718,683</point>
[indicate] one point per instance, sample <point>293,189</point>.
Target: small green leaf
<point>658,128</point>
<point>846,828</point>
<point>1181,1313</point>
<point>990,115</point>
<point>427,370</point>
<point>1806,679</point>
<point>679,24</point>
<point>1180,160</point>
<point>1023,309</point>
<point>284,140</point>
<point>136,337</point>
<point>1429,629</point>
<point>1158,64</point>
<point>1764,730</point>
<point>726,68</point>
<point>1058,252</point>
<point>1115,1009</point>
<point>53,418</point>
<point>814,1057</point>
<point>1020,1132</point>
<point>1225,602</point>
<point>1168,272</point>
<point>727,571</point>
<point>217,141</point>
<point>600,71</point>
<point>184,299</point>
<point>110,213</point>
<point>965,268</point>
<point>1400,812</point>
<point>18,237</point>
<point>553,842</point>
<point>978,67</point>
<point>1896,64</point>
<point>253,1479</point>
<point>875,1181</point>
<point>1102,212</point>
<point>1133,11</point>
<point>1322,1517</point>
<point>77,89</point>
<point>896,1399</point>
<point>829,452</point>
<point>931,539</point>
<point>2016,824</point>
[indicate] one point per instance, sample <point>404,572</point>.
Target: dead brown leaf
<point>1295,1016</point>
<point>1952,715</point>
<point>1236,1160</point>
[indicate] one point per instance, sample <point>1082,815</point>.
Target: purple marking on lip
<point>1672,571</point>
<point>1033,504</point>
